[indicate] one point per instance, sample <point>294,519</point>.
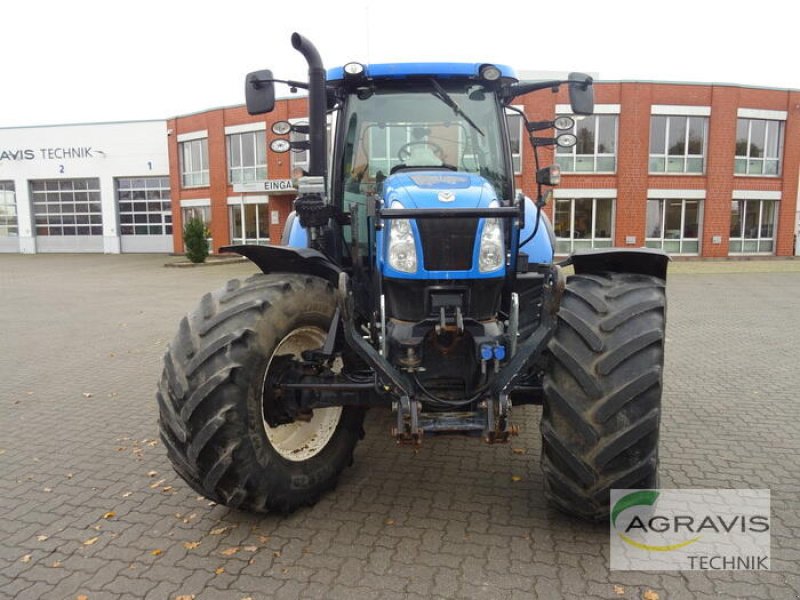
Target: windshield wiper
<point>442,95</point>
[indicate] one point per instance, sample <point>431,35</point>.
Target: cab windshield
<point>427,125</point>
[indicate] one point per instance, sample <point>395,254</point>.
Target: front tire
<point>212,397</point>
<point>602,408</point>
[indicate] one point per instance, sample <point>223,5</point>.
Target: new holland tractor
<point>414,277</point>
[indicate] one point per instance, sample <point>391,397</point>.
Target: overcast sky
<point>91,61</point>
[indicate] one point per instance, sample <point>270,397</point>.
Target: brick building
<point>702,170</point>
<point>698,170</point>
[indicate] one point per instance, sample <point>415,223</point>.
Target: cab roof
<point>432,69</point>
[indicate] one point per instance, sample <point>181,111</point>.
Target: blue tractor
<point>414,277</point>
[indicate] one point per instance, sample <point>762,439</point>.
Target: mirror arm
<point>256,83</point>
<point>513,91</point>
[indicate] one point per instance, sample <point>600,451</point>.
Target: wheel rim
<point>301,440</point>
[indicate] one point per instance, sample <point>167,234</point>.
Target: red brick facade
<point>632,178</point>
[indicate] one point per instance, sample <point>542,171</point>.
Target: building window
<point>8,210</point>
<point>67,207</point>
<point>300,159</point>
<point>583,223</point>
<point>677,144</point>
<point>194,163</point>
<point>758,147</point>
<point>247,157</point>
<point>144,206</point>
<point>249,223</point>
<point>514,123</point>
<point>673,225</point>
<point>752,227</point>
<point>197,212</point>
<point>596,150</point>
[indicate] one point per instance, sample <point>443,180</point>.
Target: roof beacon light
<point>490,73</point>
<point>354,69</point>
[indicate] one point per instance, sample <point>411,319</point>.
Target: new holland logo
<point>446,196</point>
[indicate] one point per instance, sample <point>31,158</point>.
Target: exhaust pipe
<point>317,105</point>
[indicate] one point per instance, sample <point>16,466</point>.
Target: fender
<point>282,259</point>
<point>645,261</point>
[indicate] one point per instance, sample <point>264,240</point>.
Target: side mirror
<point>581,94</point>
<point>259,92</point>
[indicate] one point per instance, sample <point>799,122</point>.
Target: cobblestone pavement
<point>90,506</point>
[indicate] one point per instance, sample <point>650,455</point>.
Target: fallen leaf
<point>284,570</point>
<point>110,515</point>
<point>219,570</point>
<point>152,473</point>
<point>516,478</point>
<point>389,521</point>
<point>82,597</point>
<point>56,564</point>
<point>276,554</point>
<point>126,494</point>
<point>185,597</point>
<point>70,475</point>
<point>167,489</point>
<point>619,590</point>
<point>157,484</point>
<point>191,545</point>
<point>518,450</point>
<point>26,558</point>
<point>250,548</point>
<point>87,394</point>
<point>152,443</point>
<point>41,538</point>
<point>219,530</point>
<point>91,541</point>
<point>263,539</point>
<point>650,595</point>
<point>189,518</point>
<point>230,551</point>
<point>48,490</point>
<point>156,552</point>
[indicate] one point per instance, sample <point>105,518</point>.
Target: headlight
<point>402,250</point>
<point>491,255</point>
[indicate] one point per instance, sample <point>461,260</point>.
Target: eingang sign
<point>270,186</point>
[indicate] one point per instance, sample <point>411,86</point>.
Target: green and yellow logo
<point>643,498</point>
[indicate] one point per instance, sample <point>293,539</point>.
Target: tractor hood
<point>437,189</point>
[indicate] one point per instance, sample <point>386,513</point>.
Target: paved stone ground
<point>89,505</point>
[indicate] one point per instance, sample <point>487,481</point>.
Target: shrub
<point>195,240</point>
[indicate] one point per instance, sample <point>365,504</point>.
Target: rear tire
<point>211,397</point>
<point>602,407</point>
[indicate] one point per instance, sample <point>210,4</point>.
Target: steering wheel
<point>404,152</point>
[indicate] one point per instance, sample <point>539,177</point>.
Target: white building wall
<point>104,151</point>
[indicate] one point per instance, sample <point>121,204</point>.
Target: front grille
<point>447,243</point>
